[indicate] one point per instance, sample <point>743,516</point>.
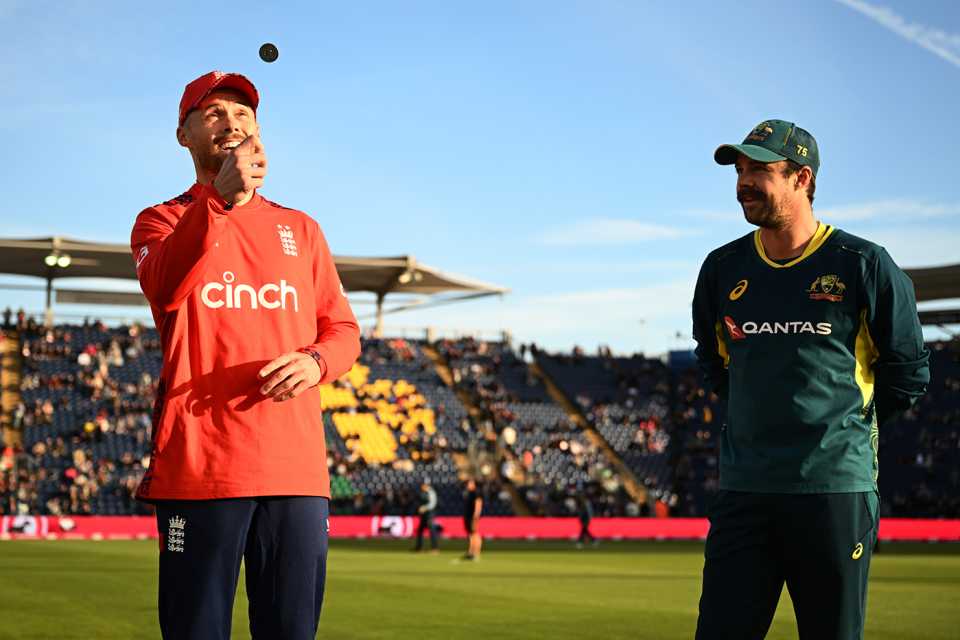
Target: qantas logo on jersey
<point>740,332</point>
<point>736,333</point>
<point>217,295</point>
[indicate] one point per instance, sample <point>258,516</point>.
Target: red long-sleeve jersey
<point>230,291</point>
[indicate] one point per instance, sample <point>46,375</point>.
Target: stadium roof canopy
<point>936,283</point>
<point>55,257</point>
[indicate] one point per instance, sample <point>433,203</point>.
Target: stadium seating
<point>552,462</point>
<point>627,401</point>
<point>697,416</point>
<point>920,451</point>
<point>87,393</point>
<point>391,423</point>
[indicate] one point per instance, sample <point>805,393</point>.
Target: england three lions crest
<point>287,242</point>
<point>176,534</point>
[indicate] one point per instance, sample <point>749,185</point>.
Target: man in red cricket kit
<point>252,316</point>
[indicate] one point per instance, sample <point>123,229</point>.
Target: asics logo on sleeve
<point>142,255</point>
<point>216,295</point>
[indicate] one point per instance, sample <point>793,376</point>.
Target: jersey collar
<point>819,238</point>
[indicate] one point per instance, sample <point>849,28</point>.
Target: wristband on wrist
<point>313,353</point>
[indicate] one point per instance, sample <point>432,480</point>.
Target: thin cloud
<point>628,319</point>
<point>944,44</point>
<point>734,214</point>
<point>591,266</point>
<point>610,231</point>
<point>904,209</point>
<point>913,248</point>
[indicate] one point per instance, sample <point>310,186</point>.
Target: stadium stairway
<point>10,367</point>
<point>520,506</point>
<point>636,490</point>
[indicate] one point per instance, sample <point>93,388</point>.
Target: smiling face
<point>220,122</point>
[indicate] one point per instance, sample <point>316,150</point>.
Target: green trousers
<point>820,545</point>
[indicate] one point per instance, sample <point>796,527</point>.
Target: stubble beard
<point>767,215</point>
<point>210,162</point>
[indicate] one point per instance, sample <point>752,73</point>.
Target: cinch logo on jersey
<point>240,296</point>
<point>739,332</point>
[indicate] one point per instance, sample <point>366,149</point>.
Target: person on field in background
<point>472,509</point>
<point>427,511</point>
<point>584,515</point>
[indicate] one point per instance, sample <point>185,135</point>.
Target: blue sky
<point>561,149</point>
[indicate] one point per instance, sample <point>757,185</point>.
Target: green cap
<point>773,141</point>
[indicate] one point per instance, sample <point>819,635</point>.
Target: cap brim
<point>239,83</point>
<point>231,81</point>
<point>727,153</point>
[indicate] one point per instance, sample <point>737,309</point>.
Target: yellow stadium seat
<point>357,376</point>
<point>332,397</point>
<point>394,406</point>
<point>375,442</point>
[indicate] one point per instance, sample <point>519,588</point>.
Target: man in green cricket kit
<point>810,336</point>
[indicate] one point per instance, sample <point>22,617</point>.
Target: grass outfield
<point>376,589</point>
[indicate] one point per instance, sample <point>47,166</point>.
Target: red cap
<point>203,86</point>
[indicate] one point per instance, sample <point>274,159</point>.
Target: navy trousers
<point>426,524</point>
<point>283,543</point>
<point>818,544</point>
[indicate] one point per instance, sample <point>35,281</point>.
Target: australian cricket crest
<point>176,534</point>
<point>828,287</point>
<point>760,132</point>
<point>287,242</point>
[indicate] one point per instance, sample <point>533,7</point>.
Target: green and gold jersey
<point>808,356</point>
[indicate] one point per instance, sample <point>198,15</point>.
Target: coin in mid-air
<point>269,52</point>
